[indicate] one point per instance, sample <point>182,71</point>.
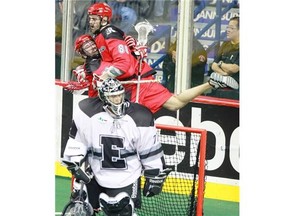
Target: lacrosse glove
<point>80,74</point>
<point>154,181</point>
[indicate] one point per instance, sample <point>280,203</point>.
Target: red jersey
<point>114,51</point>
<point>113,48</point>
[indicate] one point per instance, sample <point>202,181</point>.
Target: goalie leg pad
<point>120,205</point>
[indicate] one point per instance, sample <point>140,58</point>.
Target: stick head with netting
<point>78,207</point>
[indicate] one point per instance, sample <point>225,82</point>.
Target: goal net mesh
<point>183,191</point>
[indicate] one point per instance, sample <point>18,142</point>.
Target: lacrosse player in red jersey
<point>85,47</point>
<point>113,48</point>
<point>149,94</point>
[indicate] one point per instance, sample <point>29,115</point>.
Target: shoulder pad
<point>112,32</point>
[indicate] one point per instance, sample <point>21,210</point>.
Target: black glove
<point>154,181</point>
<point>77,171</point>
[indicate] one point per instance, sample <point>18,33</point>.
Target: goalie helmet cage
<point>183,190</point>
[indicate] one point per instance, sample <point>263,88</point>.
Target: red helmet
<point>80,41</point>
<point>100,9</point>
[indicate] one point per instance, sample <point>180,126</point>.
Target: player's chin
<point>92,30</point>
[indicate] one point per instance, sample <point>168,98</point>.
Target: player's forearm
<point>218,69</point>
<point>230,68</point>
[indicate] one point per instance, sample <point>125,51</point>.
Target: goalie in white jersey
<point>119,139</point>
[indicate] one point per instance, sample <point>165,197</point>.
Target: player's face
<point>232,30</point>
<point>94,23</point>
<point>90,48</point>
<point>116,99</point>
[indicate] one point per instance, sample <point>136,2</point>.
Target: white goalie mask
<point>112,93</point>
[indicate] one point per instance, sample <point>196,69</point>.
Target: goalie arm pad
<point>75,151</point>
<point>154,180</point>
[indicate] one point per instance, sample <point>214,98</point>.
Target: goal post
<point>183,191</point>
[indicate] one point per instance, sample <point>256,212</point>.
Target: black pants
<point>94,190</point>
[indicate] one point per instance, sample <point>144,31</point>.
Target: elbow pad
<point>74,151</point>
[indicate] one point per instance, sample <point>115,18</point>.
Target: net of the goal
<point>183,191</point>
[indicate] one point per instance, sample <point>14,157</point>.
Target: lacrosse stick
<point>73,86</point>
<point>78,205</point>
<point>143,29</point>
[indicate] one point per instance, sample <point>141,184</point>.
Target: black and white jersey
<point>118,149</point>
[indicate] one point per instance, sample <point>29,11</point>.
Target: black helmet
<point>111,87</point>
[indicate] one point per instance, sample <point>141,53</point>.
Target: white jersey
<point>118,149</point>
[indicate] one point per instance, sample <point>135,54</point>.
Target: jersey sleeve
<point>148,147</point>
<point>76,148</point>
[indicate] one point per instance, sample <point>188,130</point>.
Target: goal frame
<point>202,155</point>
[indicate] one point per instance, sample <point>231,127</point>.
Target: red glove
<point>140,51</point>
<point>130,41</point>
<point>96,81</point>
<point>80,74</point>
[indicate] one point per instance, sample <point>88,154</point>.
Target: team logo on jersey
<point>102,120</point>
<point>102,49</point>
<point>109,31</point>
